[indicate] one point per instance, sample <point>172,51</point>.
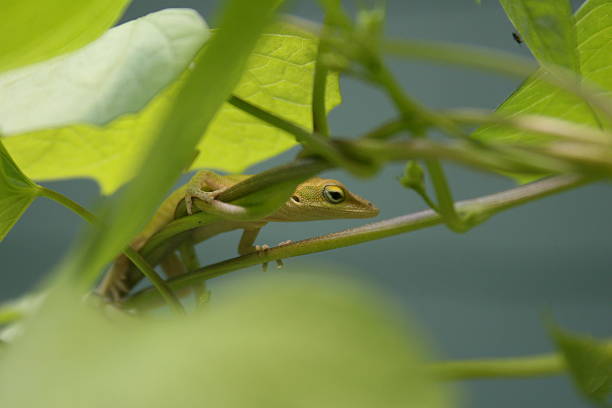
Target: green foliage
<point>278,78</point>
<point>548,29</point>
<point>16,192</point>
<point>319,342</point>
<point>413,177</point>
<point>33,31</point>
<point>590,363</point>
<point>175,137</point>
<point>117,74</point>
<point>272,342</point>
<point>536,96</point>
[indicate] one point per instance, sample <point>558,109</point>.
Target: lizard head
<point>322,199</point>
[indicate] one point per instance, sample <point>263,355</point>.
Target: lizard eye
<point>295,198</point>
<point>333,194</point>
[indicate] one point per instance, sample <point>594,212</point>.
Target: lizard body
<point>314,199</point>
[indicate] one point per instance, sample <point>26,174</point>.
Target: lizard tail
<point>114,284</point>
<point>119,280</point>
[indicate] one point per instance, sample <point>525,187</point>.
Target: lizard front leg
<point>198,187</point>
<point>203,178</point>
<point>246,246</point>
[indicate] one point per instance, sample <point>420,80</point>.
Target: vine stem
<point>319,115</point>
<point>517,367</point>
<point>313,141</point>
<point>134,256</point>
<point>409,109</point>
<point>476,210</point>
<point>541,365</point>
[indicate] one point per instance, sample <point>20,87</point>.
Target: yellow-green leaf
<point>117,74</point>
<point>547,26</point>
<point>589,362</point>
<point>593,22</point>
<point>278,78</point>
<point>16,192</point>
<point>35,30</point>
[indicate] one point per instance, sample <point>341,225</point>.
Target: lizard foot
<point>195,192</point>
<point>263,249</point>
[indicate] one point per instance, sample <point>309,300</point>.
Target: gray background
<point>481,294</point>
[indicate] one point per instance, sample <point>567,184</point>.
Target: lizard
<point>314,199</point>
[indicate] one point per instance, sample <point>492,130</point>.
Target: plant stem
<point>386,130</point>
<point>67,202</point>
<point>533,366</point>
<point>500,62</point>
<point>483,206</point>
<point>446,205</point>
<point>319,114</point>
<point>161,286</point>
<point>547,364</point>
<point>545,125</point>
<point>312,141</point>
<point>410,109</point>
<point>134,256</point>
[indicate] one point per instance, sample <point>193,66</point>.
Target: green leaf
<point>275,341</point>
<point>33,31</point>
<point>547,26</point>
<point>118,73</point>
<point>593,22</point>
<point>589,362</point>
<point>278,78</point>
<point>16,192</point>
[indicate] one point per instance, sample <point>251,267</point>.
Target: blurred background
<point>481,294</point>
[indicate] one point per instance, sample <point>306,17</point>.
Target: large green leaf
<point>593,22</point>
<point>117,74</point>
<point>272,342</point>
<point>278,78</point>
<point>16,192</point>
<point>589,362</point>
<point>35,30</point>
<point>547,26</point>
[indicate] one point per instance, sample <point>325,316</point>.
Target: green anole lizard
<point>314,199</point>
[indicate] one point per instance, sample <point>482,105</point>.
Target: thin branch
<point>545,125</point>
<point>475,209</point>
<point>386,130</point>
<point>134,256</point>
<point>532,366</point>
<point>413,112</point>
<point>500,62</point>
<point>543,365</point>
<point>319,85</point>
<point>314,142</point>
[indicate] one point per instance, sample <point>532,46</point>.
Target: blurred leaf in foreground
<point>35,30</point>
<point>276,341</point>
<point>590,364</point>
<point>16,192</point>
<point>593,22</point>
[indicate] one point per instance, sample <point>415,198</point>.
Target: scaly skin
<point>314,199</point>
